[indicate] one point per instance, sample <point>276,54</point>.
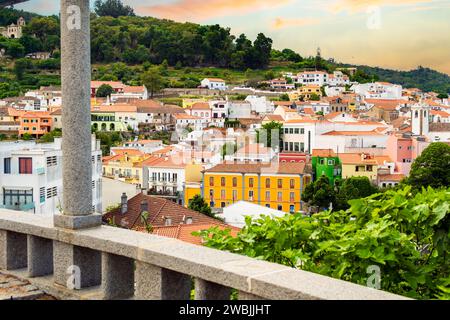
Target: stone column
<point>76,117</point>
<point>76,267</point>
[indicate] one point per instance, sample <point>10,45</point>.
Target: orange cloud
<point>198,10</point>
<point>354,6</point>
<point>281,23</point>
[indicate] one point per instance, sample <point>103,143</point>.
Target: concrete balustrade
<point>126,264</point>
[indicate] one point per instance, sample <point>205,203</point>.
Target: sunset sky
<point>398,34</point>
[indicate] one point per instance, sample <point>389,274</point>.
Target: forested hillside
<point>136,41</point>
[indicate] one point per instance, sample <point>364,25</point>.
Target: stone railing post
<point>205,290</point>
<point>80,265</point>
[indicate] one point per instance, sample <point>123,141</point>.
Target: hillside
<point>124,47</point>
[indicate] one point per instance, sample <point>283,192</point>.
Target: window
<point>267,205</point>
<point>51,161</point>
<point>168,222</point>
<point>25,165</point>
<point>222,181</point>
<point>7,165</point>
<point>267,183</point>
<point>369,168</point>
<point>291,130</point>
<point>222,194</point>
<point>267,195</point>
<point>17,197</point>
<point>250,195</point>
<point>211,181</point>
<point>291,209</point>
<point>235,182</point>
<point>322,161</point>
<point>297,131</point>
<point>99,158</point>
<point>296,146</point>
<point>331,162</point>
<point>292,197</point>
<point>302,130</point>
<point>52,192</point>
<point>250,182</point>
<point>189,220</point>
<point>280,183</point>
<point>292,183</point>
<point>42,195</point>
<point>280,196</point>
<point>211,194</point>
<point>234,195</point>
<point>93,159</point>
<point>286,130</point>
<point>280,207</point>
<point>93,185</point>
<point>222,204</point>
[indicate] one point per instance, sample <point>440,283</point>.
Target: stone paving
<point>12,288</point>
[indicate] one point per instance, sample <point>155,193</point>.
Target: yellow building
<point>307,91</point>
<point>278,186</point>
<point>359,165</point>
<point>125,166</point>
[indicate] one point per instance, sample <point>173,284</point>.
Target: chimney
<point>124,203</point>
<point>144,206</point>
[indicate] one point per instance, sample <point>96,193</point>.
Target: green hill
<point>124,47</point>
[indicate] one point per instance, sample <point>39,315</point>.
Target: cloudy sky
<point>399,34</point>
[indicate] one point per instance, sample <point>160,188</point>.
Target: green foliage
<point>105,90</point>
<point>265,134</point>
<point>314,97</point>
<point>26,136</point>
<point>153,80</point>
<point>353,188</point>
<point>9,89</point>
<point>431,168</point>
<point>198,204</point>
<point>113,8</point>
<point>442,96</point>
<point>406,235</point>
<point>320,193</point>
<point>228,149</point>
<point>284,97</point>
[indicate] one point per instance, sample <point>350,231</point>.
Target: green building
<point>101,121</point>
<point>326,162</point>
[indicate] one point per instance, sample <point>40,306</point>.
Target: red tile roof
<point>159,210</point>
<point>184,232</point>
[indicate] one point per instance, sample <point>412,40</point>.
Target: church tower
<point>420,115</point>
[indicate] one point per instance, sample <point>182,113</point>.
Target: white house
<point>235,214</point>
<point>319,78</point>
<point>260,105</point>
<point>239,109</point>
<point>379,90</point>
<point>31,176</point>
<point>213,84</point>
<point>337,78</point>
<point>255,152</point>
<point>201,110</point>
<point>145,146</point>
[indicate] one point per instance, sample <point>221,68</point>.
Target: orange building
<point>35,123</point>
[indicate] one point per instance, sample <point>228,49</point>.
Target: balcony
<point>125,264</point>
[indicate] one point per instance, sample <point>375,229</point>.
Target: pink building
<point>400,149</point>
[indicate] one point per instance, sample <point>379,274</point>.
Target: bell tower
<point>420,114</point>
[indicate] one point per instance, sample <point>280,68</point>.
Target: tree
<point>198,204</point>
<point>21,66</point>
<point>314,97</point>
<point>153,80</point>
<point>228,149</point>
<point>265,134</point>
<point>442,96</point>
<point>26,136</point>
<point>105,90</point>
<point>262,48</point>
<point>353,188</point>
<point>284,97</point>
<point>320,193</point>
<point>112,8</point>
<point>431,168</point>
